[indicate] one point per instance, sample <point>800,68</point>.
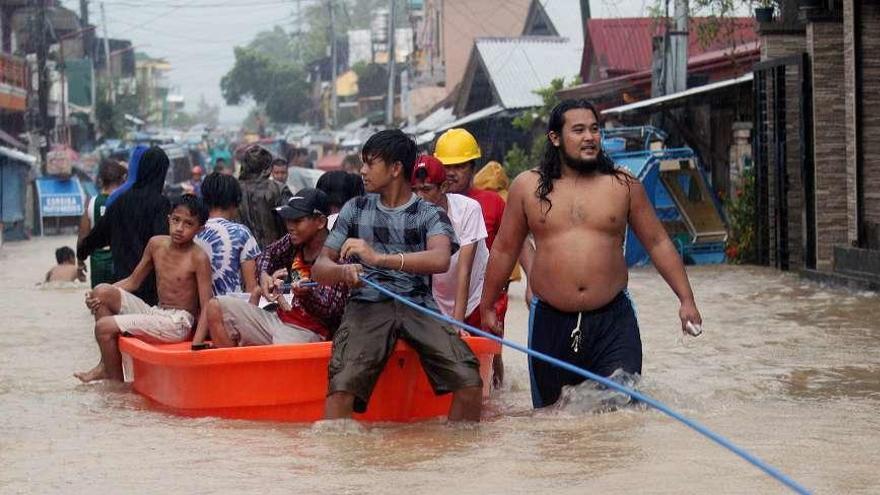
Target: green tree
<point>280,87</point>
<point>111,116</point>
<point>742,214</point>
<point>534,123</point>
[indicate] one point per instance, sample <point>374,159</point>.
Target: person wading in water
<point>577,206</point>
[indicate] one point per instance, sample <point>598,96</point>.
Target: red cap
<point>429,169</point>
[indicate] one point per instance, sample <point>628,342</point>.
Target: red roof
<point>620,46</point>
<point>717,65</point>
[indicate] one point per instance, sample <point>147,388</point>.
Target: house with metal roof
<point>506,71</point>
<point>618,56</point>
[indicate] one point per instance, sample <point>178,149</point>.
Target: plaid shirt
<point>404,229</point>
<point>324,303</point>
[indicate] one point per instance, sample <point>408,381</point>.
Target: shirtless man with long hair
<point>577,205</point>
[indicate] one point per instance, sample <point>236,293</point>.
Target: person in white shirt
<point>457,292</point>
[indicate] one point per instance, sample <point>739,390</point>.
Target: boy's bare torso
<point>63,273</point>
<point>579,263</point>
<point>175,269</point>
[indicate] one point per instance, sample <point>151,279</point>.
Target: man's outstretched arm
<point>654,238</point>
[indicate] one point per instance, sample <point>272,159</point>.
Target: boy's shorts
<point>601,340</point>
<point>152,323</point>
<point>367,336</point>
<point>249,325</point>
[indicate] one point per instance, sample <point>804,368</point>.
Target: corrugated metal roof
<point>623,45</point>
<point>473,117</point>
<point>517,67</point>
<point>439,118</point>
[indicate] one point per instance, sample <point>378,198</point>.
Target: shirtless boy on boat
<point>577,206</point>
<point>183,276</point>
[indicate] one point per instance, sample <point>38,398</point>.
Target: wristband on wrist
<point>401,262</point>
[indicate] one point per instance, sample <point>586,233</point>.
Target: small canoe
<point>280,382</point>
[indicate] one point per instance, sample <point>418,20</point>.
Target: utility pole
<point>676,63</point>
<point>43,84</point>
<point>84,12</point>
<point>405,108</point>
<point>109,68</point>
<point>389,105</point>
<point>89,35</point>
<point>333,97</point>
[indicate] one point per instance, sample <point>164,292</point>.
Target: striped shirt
<point>404,229</point>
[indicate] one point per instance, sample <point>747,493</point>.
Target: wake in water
<point>55,285</point>
<point>589,397</point>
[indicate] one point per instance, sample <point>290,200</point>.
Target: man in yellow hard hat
<point>458,151</point>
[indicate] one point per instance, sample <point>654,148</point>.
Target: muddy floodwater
<point>786,369</point>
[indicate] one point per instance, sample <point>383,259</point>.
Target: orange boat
<point>280,382</point>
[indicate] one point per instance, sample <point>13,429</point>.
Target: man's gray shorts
<point>249,325</point>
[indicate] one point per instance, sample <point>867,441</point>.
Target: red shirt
<point>493,209</point>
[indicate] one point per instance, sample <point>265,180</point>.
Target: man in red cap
<point>457,291</point>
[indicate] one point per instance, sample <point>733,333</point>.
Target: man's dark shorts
<point>367,336</point>
<point>607,339</point>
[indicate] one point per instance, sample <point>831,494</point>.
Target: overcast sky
<point>197,36</point>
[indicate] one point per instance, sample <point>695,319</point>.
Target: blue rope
<point>775,473</point>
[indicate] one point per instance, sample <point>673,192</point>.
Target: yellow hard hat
<point>456,146</point>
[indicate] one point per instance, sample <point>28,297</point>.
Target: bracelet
<point>401,262</point>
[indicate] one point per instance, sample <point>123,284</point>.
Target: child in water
<point>66,270</point>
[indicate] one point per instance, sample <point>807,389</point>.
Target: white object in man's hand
<point>694,329</point>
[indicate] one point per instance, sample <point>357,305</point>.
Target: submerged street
<point>784,370</point>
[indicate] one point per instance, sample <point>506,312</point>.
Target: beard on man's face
<point>584,166</point>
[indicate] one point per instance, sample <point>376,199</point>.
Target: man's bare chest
<point>597,209</point>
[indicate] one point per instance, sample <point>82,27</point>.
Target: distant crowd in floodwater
<point>240,262</point>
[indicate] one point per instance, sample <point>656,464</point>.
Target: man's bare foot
<point>96,373</point>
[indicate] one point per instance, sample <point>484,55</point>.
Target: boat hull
<point>280,382</point>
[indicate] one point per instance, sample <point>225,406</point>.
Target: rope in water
<point>770,470</point>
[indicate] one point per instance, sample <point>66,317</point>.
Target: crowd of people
<point>246,262</point>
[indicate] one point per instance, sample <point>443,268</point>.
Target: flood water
<point>786,369</point>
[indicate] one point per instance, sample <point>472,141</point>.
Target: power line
<point>190,6</point>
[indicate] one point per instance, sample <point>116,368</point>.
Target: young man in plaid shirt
<point>314,312</point>
<point>396,239</point>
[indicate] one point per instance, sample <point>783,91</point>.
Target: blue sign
<point>60,198</point>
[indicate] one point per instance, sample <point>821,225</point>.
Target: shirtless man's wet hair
<point>578,207</point>
<point>551,164</point>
